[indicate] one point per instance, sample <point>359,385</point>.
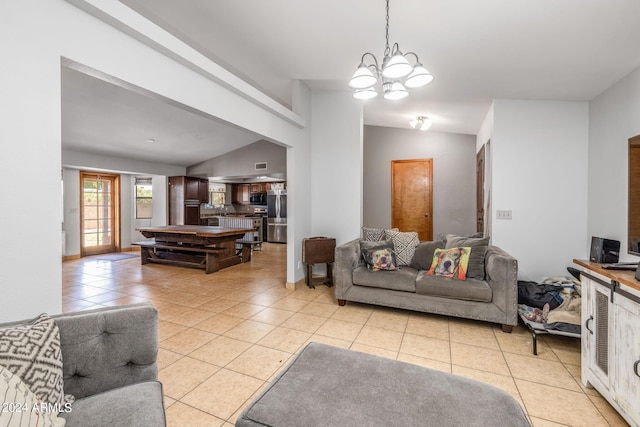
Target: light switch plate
<point>503,214</point>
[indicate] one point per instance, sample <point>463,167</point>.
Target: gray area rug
<point>328,386</point>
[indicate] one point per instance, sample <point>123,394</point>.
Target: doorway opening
<point>99,213</point>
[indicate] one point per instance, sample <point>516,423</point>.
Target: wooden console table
<point>195,246</point>
<point>611,336</point>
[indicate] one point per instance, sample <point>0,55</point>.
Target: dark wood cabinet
<point>185,196</point>
<point>240,194</point>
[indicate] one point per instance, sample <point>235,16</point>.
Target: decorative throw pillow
<point>450,263</point>
<point>476,260</point>
<point>32,352</point>
<point>380,257</point>
<point>404,245</point>
<point>21,407</point>
<point>374,234</point>
<point>423,254</point>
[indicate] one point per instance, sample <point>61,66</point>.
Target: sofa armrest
<point>347,258</point>
<point>108,348</point>
<point>502,275</point>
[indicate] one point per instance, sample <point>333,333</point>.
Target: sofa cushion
<point>379,256</point>
<point>423,255</point>
<point>21,407</point>
<point>478,250</point>
<point>403,279</point>
<point>32,352</point>
<point>374,234</point>
<point>139,405</point>
<point>404,244</point>
<point>469,290</point>
<point>450,263</point>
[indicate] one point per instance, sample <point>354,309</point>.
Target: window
<point>144,201</point>
<point>216,194</point>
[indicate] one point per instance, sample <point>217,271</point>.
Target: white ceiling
<point>477,50</point>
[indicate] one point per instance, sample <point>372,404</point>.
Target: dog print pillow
<point>450,263</point>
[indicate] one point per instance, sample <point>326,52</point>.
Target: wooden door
<point>480,165</point>
<point>99,210</point>
<point>412,196</point>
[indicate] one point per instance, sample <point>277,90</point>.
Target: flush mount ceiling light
<point>421,123</point>
<point>396,73</point>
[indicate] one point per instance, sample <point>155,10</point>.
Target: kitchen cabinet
<point>257,188</point>
<point>240,194</point>
<point>611,338</point>
<point>185,196</point>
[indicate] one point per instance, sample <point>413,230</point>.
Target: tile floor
<point>223,336</point>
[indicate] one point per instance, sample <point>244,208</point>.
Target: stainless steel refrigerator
<point>277,216</point>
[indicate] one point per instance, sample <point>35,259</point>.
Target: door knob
<point>426,215</point>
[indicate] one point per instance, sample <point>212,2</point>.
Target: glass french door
<point>99,225</point>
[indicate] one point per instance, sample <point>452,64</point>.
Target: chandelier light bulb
<point>364,94</point>
<point>419,77</point>
<point>395,91</point>
<point>362,78</point>
<point>396,67</point>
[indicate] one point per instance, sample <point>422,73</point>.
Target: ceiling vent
<point>262,166</point>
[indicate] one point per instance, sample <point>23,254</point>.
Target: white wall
<point>614,117</point>
<point>539,151</point>
<point>37,34</point>
<point>454,175</point>
<point>336,166</point>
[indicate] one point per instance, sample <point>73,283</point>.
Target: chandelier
<point>396,73</point>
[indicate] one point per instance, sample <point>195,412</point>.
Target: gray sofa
<point>492,298</point>
<point>109,365</point>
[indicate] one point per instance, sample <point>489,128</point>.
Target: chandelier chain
<point>387,29</point>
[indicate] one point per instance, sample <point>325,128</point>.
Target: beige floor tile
<point>362,348</point>
<point>538,422</point>
<point>166,358</point>
<point>169,310</point>
<point>190,317</point>
<point>259,362</point>
<point>608,412</point>
<point>336,342</point>
<point>426,347</point>
<point>427,325</point>
<point>285,339</point>
<point>221,350</point>
<point>240,295</point>
<point>576,373</point>
<point>319,309</point>
<point>218,305</point>
<point>559,405</point>
<point>394,320</point>
<point>503,382</point>
<point>541,371</point>
<point>250,331</point>
<point>304,322</point>
<point>272,316</point>
<point>382,338</point>
<point>566,348</point>
<point>522,343</point>
<point>219,323</point>
<point>340,329</point>
<point>186,341</point>
<point>427,363</point>
<point>479,334</point>
<point>289,303</point>
<point>223,393</point>
<point>179,415</point>
<point>169,329</point>
<point>480,358</point>
<point>352,312</point>
<point>244,310</point>
<point>182,376</point>
<point>264,299</point>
